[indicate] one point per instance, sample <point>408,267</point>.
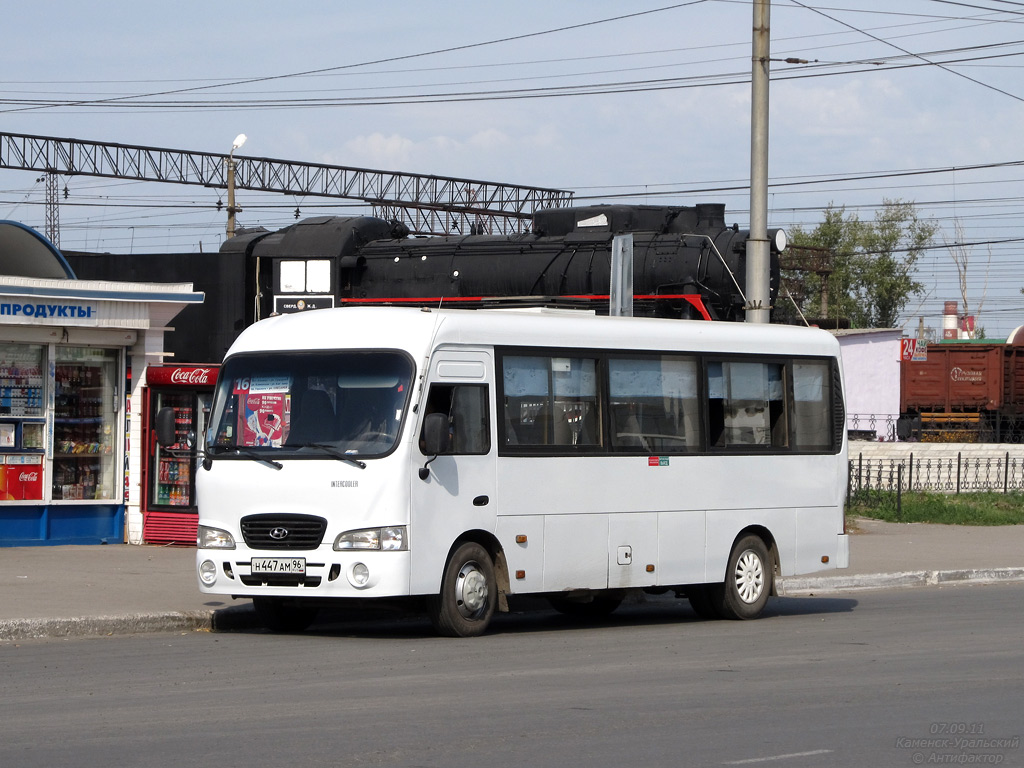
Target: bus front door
<point>456,493</point>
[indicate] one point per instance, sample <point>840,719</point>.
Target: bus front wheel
<point>468,595</point>
<point>748,580</point>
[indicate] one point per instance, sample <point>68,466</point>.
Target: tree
<point>961,255</point>
<point>871,270</point>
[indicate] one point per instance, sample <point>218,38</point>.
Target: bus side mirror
<point>435,434</point>
<point>165,427</point>
<point>435,439</point>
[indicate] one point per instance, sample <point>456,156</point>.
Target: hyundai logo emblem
<point>278,533</point>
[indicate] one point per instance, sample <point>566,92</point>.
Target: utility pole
<point>232,208</point>
<point>758,249</point>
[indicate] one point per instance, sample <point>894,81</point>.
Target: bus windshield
<point>350,403</point>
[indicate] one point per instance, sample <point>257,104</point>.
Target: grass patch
<point>981,508</point>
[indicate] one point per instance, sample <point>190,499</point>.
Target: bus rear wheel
<point>748,581</point>
<point>469,593</point>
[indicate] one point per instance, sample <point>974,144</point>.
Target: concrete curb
<point>793,586</point>
<point>16,629</point>
<point>227,619</point>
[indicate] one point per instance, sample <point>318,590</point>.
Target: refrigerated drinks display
<point>172,478</point>
<point>84,423</point>
<point>168,504</point>
<point>22,422</point>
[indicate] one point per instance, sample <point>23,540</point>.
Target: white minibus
<point>460,457</point>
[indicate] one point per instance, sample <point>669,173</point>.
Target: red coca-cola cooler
<point>21,477</point>
<point>169,514</point>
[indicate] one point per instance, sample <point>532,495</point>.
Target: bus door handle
<point>481,501</point>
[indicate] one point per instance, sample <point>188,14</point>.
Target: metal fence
<point>872,426</point>
<point>947,474</point>
<point>975,427</point>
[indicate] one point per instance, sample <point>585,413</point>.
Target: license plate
<point>278,565</point>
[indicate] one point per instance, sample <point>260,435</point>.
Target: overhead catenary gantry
<point>427,205</point>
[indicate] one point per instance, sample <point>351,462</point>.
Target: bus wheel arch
<point>494,549</point>
<point>749,577</point>
<point>473,583</point>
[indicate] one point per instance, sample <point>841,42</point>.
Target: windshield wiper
<point>256,457</point>
<point>337,453</point>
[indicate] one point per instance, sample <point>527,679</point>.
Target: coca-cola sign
<point>28,477</point>
<point>190,376</point>
<point>182,375</point>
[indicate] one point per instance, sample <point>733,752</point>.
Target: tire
<point>702,602</point>
<point>748,581</point>
<point>469,593</point>
<point>600,606</point>
<point>280,615</point>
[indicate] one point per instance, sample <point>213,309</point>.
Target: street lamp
<point>232,208</point>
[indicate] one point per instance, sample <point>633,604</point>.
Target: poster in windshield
<point>267,414</point>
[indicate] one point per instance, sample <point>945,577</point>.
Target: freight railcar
<point>965,392</point>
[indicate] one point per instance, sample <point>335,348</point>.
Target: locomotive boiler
<point>687,263</point>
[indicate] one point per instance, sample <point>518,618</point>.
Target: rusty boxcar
<point>965,392</point>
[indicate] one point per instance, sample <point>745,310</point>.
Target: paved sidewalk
<point>115,589</point>
<point>885,555</point>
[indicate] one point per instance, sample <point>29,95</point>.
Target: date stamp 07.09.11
<point>958,744</point>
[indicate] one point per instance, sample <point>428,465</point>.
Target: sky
<point>645,102</point>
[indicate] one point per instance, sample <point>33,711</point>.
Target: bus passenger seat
<point>629,434</point>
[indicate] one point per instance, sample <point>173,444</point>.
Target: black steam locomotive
<point>686,264</point>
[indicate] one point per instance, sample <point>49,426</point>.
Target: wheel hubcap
<point>471,590</point>
<point>749,577</point>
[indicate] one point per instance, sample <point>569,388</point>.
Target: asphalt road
<point>886,678</point>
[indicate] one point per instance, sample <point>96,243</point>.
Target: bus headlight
<point>214,538</point>
<point>208,572</point>
<point>390,539</point>
<point>359,575</point>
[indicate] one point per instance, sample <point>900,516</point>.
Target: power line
<point>405,57</point>
<point>909,53</point>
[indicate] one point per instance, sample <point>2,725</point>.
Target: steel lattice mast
<point>430,205</point>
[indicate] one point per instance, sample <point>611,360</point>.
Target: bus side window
<point>551,401</point>
<point>746,404</point>
<point>465,405</point>
<point>811,402</point>
<point>654,405</point>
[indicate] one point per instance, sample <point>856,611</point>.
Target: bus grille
<point>280,580</point>
<point>283,531</point>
